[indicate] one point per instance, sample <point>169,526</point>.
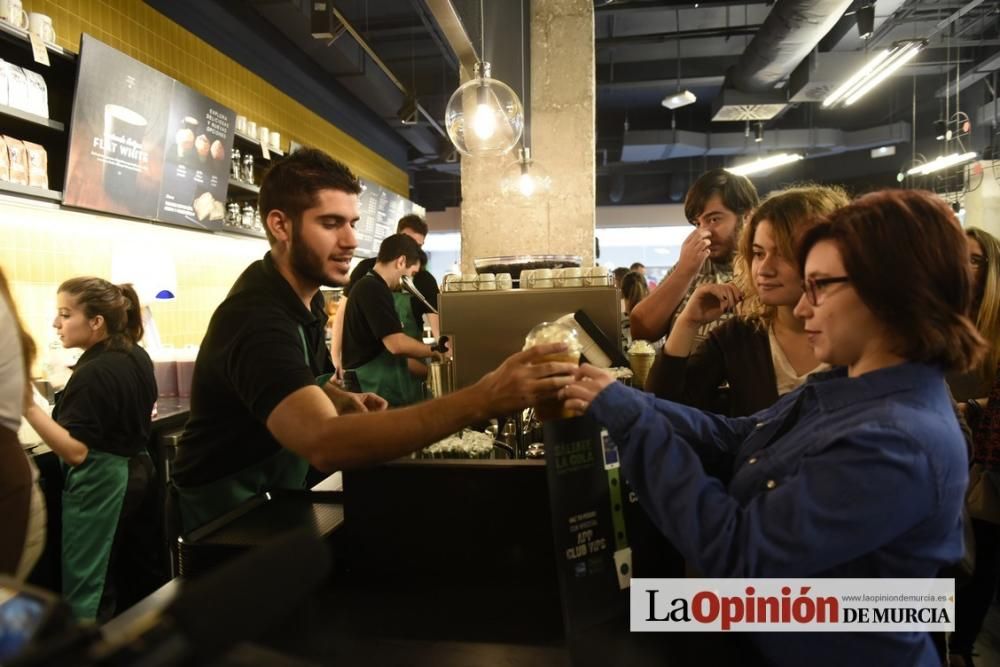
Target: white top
<point>11,369</point>
<point>784,373</point>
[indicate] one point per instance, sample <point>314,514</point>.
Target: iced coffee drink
<point>554,332</point>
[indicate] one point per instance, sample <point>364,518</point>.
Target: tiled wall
<point>41,245</point>
<point>139,31</point>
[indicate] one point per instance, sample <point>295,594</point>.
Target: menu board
<point>145,145</point>
<point>381,209</point>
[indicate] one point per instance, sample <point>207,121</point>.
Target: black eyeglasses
<point>812,286</point>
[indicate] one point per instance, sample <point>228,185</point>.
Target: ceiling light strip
<point>764,164</point>
<point>942,162</point>
<point>883,65</point>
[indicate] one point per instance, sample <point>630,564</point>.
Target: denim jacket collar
<point>834,390</point>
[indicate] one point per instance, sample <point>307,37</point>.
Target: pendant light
<point>484,116</point>
<point>524,177</point>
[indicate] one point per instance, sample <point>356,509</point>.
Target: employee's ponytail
<point>117,304</point>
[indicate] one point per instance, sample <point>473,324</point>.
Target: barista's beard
<point>307,263</point>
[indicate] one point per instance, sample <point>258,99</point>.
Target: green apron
<point>92,497</point>
<point>282,470</point>
<point>387,374</point>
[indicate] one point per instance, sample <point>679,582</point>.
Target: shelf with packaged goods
<point>18,116</point>
<point>244,140</point>
<point>29,191</point>
<point>12,34</point>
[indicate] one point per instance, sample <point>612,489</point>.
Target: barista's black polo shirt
<point>424,281</point>
<point>108,401</point>
<point>251,359</point>
<point>371,316</point>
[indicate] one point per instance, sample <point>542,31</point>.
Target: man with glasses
<point>717,204</point>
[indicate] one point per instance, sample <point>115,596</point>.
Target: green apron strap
<point>92,499</point>
<point>389,375</point>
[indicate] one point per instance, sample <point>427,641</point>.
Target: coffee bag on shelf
<point>38,165</point>
<point>4,162</point>
<point>38,93</point>
<point>4,66</point>
<point>18,160</point>
<point>17,88</point>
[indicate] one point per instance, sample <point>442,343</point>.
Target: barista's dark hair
<point>291,184</point>
<point>423,259</point>
<point>117,304</point>
<point>907,258</point>
<point>414,222</point>
<point>396,246</point>
<point>738,194</point>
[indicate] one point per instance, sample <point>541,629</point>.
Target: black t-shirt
<point>262,344</point>
<point>108,401</point>
<point>424,281</point>
<point>371,316</point>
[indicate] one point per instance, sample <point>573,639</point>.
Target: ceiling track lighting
<point>682,97</point>
<point>484,116</point>
<point>941,163</point>
<point>759,133</point>
<point>880,67</point>
<point>764,164</point>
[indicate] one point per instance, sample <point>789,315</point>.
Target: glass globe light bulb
<point>484,116</point>
<point>524,178</point>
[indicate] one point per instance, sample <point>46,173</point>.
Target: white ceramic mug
<point>572,277</point>
<point>275,141</point>
<point>264,135</point>
<point>504,281</point>
<point>40,25</point>
<point>486,282</point>
<point>241,123</point>
<point>542,279</point>
<point>252,129</point>
<point>470,282</point>
<point>12,11</point>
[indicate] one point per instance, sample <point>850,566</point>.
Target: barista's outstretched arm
<point>306,422</point>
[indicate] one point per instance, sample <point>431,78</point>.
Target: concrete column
<point>563,139</point>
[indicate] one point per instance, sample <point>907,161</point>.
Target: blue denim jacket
<point>866,480</point>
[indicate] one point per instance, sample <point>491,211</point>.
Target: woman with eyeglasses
<point>860,472</point>
<point>763,352</point>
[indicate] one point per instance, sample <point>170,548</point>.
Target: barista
<point>416,228</point>
<point>380,331</point>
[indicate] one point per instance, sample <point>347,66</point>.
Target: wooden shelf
<point>248,188</point>
<point>248,140</point>
<point>10,33</point>
<point>34,119</point>
<point>27,191</point>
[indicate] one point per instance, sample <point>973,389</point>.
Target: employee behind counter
<point>381,333</point>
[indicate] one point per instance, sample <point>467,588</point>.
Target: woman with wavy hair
<point>22,505</point>
<point>859,473</point>
<point>99,428</point>
<point>763,352</point>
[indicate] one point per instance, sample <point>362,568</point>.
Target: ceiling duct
<point>791,30</point>
<point>821,73</point>
<point>734,105</point>
<point>652,145</point>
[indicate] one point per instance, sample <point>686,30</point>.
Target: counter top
<point>168,408</point>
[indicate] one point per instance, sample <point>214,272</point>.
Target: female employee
<point>99,428</point>
<point>764,352</point>
<point>860,472</point>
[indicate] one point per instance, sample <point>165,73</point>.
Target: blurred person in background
<point>22,505</point>
<point>633,290</point>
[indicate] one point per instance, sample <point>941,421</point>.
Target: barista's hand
<point>588,382</point>
<point>347,402</point>
<point>524,379</point>
<point>710,302</point>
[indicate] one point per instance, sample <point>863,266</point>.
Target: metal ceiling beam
<point>635,6</point>
<point>385,68</point>
<point>977,73</point>
<point>665,37</point>
<point>451,26</point>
